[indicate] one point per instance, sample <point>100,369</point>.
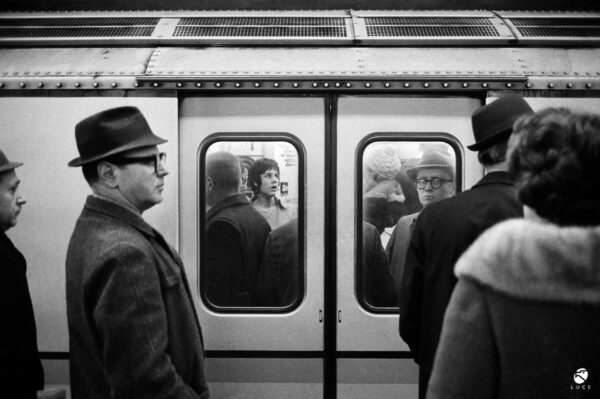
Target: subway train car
<point>323,93</point>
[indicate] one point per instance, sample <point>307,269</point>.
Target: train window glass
<point>250,258</point>
<point>399,178</point>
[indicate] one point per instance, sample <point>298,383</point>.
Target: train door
<point>376,139</point>
<point>257,347</point>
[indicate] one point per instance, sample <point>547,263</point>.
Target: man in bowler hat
<point>445,229</point>
<point>133,329</point>
<point>21,372</point>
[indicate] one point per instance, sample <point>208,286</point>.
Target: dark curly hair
<point>259,167</point>
<point>555,163</point>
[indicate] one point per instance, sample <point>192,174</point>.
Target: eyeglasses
<point>159,160</point>
<point>435,182</point>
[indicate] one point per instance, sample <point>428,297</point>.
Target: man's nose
<point>162,171</point>
<point>21,200</point>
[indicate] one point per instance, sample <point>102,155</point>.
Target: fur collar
<point>532,260</point>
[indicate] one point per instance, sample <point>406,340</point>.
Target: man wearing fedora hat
<point>445,229</point>
<point>133,329</point>
<point>21,372</point>
<point>433,175</point>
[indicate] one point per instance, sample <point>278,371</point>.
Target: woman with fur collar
<point>524,318</point>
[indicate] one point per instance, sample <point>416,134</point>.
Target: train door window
<point>251,236</point>
<point>399,179</point>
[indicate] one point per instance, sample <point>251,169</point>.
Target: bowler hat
<point>432,158</point>
<point>5,164</point>
<point>111,132</point>
<point>493,122</point>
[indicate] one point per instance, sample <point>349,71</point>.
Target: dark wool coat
<point>21,372</point>
<point>377,285</point>
<point>279,275</point>
<point>398,246</point>
<point>442,232</point>
<point>133,330</point>
<point>235,239</point>
<point>524,317</point>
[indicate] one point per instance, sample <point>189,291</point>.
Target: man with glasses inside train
<point>133,330</point>
<point>445,229</point>
<point>433,176</point>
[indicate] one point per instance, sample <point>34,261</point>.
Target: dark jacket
<point>133,329</point>
<point>398,246</point>
<point>443,231</point>
<point>279,275</point>
<point>235,238</point>
<point>524,316</point>
<point>377,283</point>
<point>21,372</point>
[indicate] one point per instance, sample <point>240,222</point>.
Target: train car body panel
<point>330,84</point>
<point>303,118</point>
<point>392,118</point>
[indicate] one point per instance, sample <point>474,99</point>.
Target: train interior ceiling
<point>317,91</point>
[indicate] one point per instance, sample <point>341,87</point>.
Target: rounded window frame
<point>219,137</point>
<point>375,137</point>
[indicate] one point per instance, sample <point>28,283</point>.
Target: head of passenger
<point>380,168</point>
<point>555,163</point>
<point>120,159</point>
<point>492,126</point>
<point>434,176</point>
<point>11,199</point>
<point>264,178</point>
<point>222,176</point>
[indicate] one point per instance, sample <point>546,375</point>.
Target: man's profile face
<point>429,194</point>
<point>142,183</point>
<point>11,200</point>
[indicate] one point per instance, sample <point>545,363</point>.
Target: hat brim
<point>10,166</point>
<point>145,142</point>
<point>412,172</point>
<point>491,140</point>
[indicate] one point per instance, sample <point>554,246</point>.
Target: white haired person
<point>382,192</point>
<point>524,318</point>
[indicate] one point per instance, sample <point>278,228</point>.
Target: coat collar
<point>532,260</point>
<point>236,199</point>
<point>498,177</point>
<point>117,211</point>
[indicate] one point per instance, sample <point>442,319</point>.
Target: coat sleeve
<point>411,294</point>
<point>131,322</point>
<point>466,358</point>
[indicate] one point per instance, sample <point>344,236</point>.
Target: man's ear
<point>211,183</point>
<point>108,174</point>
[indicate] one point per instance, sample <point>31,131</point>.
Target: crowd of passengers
<point>498,287</point>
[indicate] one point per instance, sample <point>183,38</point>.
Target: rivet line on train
<point>47,84</point>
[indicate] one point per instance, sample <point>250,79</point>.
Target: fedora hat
<point>111,132</point>
<point>493,122</point>
<point>6,165</point>
<point>432,158</point>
